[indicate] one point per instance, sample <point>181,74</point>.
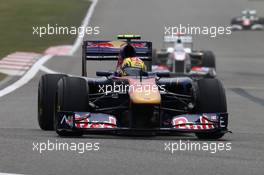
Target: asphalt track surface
<point>240,62</point>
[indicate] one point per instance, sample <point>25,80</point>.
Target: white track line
<point>47,70</point>
<point>79,38</point>
<point>9,174</point>
<point>85,23</point>
<point>39,64</point>
<point>27,77</point>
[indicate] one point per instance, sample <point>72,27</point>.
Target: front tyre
<point>46,99</point>
<point>72,95</point>
<point>210,99</point>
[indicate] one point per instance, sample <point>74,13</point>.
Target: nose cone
<point>145,92</point>
<point>144,97</point>
<point>246,22</point>
<point>179,56</point>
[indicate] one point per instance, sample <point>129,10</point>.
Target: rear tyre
<point>154,56</point>
<point>233,21</point>
<point>208,59</point>
<point>261,21</point>
<point>72,95</point>
<point>210,99</point>
<point>46,99</point>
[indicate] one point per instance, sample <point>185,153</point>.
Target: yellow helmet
<point>132,62</point>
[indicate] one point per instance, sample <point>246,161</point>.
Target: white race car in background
<point>247,21</point>
<point>178,56</point>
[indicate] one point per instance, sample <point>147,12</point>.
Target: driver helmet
<point>127,51</point>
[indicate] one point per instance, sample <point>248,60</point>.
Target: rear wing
<point>110,50</point>
<point>174,39</point>
<point>184,39</point>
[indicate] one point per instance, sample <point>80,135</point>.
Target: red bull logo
<point>183,123</point>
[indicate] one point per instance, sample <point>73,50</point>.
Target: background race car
<point>248,21</point>
<point>178,56</point>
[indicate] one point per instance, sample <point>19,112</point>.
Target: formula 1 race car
<point>248,21</point>
<point>139,103</point>
<point>178,55</point>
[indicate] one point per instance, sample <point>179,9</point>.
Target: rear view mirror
<point>103,74</point>
<point>163,74</point>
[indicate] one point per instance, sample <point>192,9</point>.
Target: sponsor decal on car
<point>103,44</point>
<point>89,120</point>
<point>202,123</point>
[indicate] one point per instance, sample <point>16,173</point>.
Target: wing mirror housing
<point>103,74</point>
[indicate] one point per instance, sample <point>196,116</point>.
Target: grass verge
<point>19,16</point>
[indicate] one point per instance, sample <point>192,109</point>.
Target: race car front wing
<point>107,124</point>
